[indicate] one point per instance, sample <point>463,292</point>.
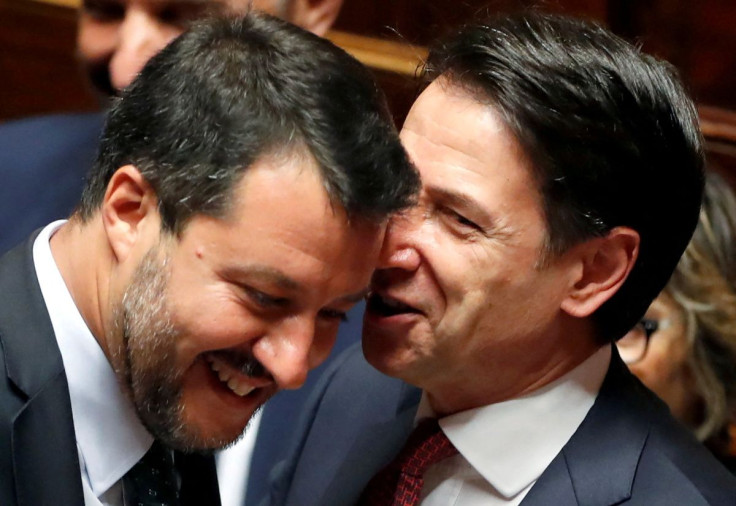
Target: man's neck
<point>521,375</point>
<point>84,264</point>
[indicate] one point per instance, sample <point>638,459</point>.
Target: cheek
<point>452,273</point>
<point>166,35</point>
<point>269,6</point>
<point>96,40</point>
<point>670,381</point>
<point>661,366</point>
<point>324,340</point>
<point>212,322</point>
<point>468,280</point>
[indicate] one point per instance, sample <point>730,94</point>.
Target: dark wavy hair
<point>229,91</point>
<point>612,136</point>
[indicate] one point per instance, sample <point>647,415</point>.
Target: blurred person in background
<point>117,37</point>
<point>684,348</point>
<point>43,160</point>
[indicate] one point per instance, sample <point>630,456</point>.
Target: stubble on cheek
<point>146,351</point>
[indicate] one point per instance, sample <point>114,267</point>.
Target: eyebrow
<point>459,199</point>
<point>266,274</point>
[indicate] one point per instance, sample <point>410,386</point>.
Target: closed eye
<point>334,314</point>
<point>459,219</point>
<point>265,300</point>
<point>182,14</point>
<point>103,10</point>
<point>466,222</point>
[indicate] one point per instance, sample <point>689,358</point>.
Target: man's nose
<point>141,35</point>
<point>289,353</point>
<point>399,250</point>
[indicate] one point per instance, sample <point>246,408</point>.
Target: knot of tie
<point>426,445</point>
<point>400,483</point>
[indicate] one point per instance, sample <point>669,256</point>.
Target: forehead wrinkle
<point>465,105</point>
<point>449,150</point>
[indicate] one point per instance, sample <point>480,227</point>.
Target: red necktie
<point>400,483</point>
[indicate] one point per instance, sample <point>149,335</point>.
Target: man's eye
<point>263,299</point>
<point>183,14</point>
<point>103,11</point>
<point>334,314</point>
<point>464,221</point>
<point>460,219</point>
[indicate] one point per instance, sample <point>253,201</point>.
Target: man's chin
<point>206,436</point>
<point>195,441</point>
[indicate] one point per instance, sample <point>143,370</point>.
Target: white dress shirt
<point>110,438</point>
<point>233,465</point>
<point>505,447</point>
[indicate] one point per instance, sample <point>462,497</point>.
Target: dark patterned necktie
<point>400,483</point>
<point>153,481</point>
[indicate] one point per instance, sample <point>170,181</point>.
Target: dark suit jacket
<point>43,163</point>
<point>38,453</point>
<point>628,450</point>
<point>282,412</point>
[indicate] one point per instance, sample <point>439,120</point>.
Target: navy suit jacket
<point>39,465</point>
<point>43,164</point>
<point>282,412</point>
<point>628,450</point>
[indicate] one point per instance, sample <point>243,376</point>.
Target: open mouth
<point>387,306</point>
<point>232,377</point>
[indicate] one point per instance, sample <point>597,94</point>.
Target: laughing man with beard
<point>233,216</point>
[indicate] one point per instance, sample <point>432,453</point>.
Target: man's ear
<point>605,263</point>
<point>128,206</point>
<point>317,16</point>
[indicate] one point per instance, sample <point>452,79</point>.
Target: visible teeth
<point>224,375</point>
<point>229,377</point>
<point>392,303</point>
<point>239,388</point>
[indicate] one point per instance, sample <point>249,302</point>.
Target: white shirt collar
<point>511,443</point>
<point>110,437</point>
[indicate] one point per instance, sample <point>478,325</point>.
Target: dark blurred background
<point>39,74</point>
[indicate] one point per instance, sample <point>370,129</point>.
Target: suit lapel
<point>282,412</point>
<point>43,453</point>
<point>553,487</point>
<point>372,449</point>
<point>353,424</point>
<point>280,415</point>
<point>597,466</point>
<point>45,459</point>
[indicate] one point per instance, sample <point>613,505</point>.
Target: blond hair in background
<point>704,287</point>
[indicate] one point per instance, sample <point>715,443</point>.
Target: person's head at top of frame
<point>561,181</point>
<point>115,38</point>
<point>684,348</point>
<point>234,214</point>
